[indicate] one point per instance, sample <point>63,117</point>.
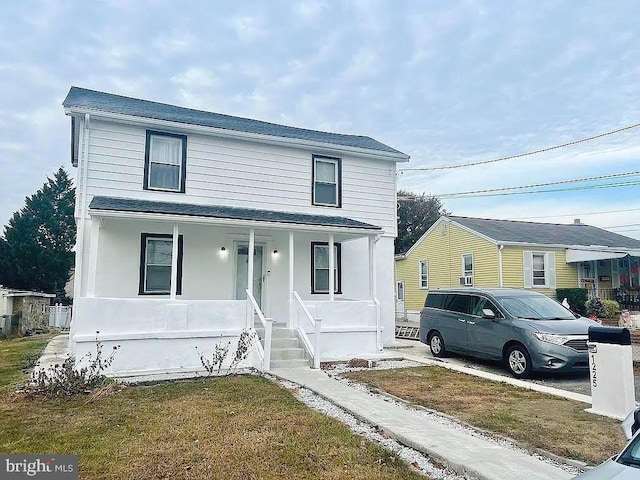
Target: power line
<point>576,214</point>
<point>585,187</point>
<point>537,185</point>
<point>520,155</point>
<point>628,225</point>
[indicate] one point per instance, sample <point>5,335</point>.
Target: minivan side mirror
<point>488,313</point>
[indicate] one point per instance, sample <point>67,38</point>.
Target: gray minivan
<point>526,330</point>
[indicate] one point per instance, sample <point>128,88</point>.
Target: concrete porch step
<point>287,354</point>
<point>284,343</point>
<point>291,363</point>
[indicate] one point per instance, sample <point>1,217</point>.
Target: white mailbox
<point>611,370</point>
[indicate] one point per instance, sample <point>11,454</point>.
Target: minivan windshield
<point>535,307</point>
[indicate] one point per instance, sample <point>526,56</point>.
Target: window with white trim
<point>467,265</point>
<point>327,188</point>
<point>539,269</point>
<point>165,162</point>
<point>320,267</point>
<point>155,264</point>
<point>423,272</point>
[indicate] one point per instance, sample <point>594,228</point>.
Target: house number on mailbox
<point>594,379</point>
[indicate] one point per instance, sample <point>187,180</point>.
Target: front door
<point>242,272</point>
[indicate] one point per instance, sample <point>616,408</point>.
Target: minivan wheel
<point>518,361</point>
<point>436,345</point>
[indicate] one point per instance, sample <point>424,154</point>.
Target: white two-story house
<point>193,226</point>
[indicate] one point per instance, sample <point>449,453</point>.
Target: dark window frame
<point>338,260</point>
<point>143,262</point>
<point>338,161</point>
<point>183,164</point>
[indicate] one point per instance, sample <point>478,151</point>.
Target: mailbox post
<point>611,371</point>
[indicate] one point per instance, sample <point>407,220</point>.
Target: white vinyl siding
<point>240,174</point>
<point>423,274</point>
<point>539,269</point>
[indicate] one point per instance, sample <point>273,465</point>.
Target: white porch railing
<point>263,351</point>
<point>313,349</point>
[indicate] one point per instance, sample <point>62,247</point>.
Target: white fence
<point>59,316</point>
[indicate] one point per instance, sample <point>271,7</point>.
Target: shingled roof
<point>215,211</point>
<point>545,233</point>
<point>107,102</point>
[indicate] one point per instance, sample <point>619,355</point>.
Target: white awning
<point>574,255</point>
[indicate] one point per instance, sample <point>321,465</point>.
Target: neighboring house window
<point>155,264</point>
<point>467,265</point>
<point>320,268</point>
<point>539,269</point>
<point>400,291</point>
<point>165,160</point>
<point>423,271</point>
<point>327,181</point>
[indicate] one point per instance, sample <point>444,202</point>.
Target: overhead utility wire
<point>537,185</point>
<point>576,214</point>
<point>520,155</point>
<point>584,187</point>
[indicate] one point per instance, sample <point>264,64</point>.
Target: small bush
<point>602,308</point>
<point>576,297</point>
<point>66,380</point>
<point>220,351</point>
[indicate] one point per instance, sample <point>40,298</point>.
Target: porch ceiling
<point>111,206</point>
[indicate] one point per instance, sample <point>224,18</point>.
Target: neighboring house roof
<point>216,211</point>
<point>573,234</point>
<point>107,102</point>
<point>23,293</point>
<point>569,235</point>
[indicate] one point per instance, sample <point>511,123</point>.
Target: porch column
<point>252,246</point>
<point>174,262</point>
<point>372,267</point>
<point>291,287</point>
<point>332,263</point>
<point>96,224</point>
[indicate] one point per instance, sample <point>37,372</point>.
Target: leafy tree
<point>416,214</point>
<point>36,248</point>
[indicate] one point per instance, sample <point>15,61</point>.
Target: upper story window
<point>423,274</point>
<point>467,265</point>
<point>327,181</point>
<point>165,161</point>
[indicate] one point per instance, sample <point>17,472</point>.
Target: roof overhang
<point>317,147</point>
<point>29,294</point>
<point>586,255</point>
<point>107,207</point>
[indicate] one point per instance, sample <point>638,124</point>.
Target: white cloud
<point>310,10</point>
<point>248,28</point>
<point>196,77</point>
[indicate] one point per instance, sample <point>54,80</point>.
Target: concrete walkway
<point>54,353</point>
<point>461,451</point>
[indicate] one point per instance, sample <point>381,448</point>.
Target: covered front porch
<point>609,274</point>
<point>161,283</point>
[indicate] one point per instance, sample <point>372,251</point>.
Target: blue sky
<point>447,82</point>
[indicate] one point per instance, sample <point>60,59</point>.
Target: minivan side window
<point>435,300</point>
<point>462,303</point>
<point>484,303</point>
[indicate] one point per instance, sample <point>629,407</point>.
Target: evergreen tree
<point>36,247</point>
<point>416,214</point>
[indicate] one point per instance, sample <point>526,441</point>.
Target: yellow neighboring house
<point>464,251</point>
